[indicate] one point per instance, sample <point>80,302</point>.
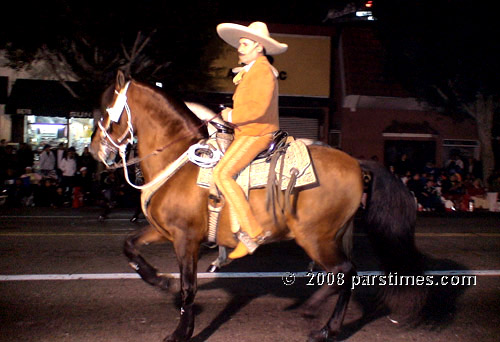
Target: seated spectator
<point>416,186</point>
<point>405,178</point>
<point>45,193</point>
<point>454,165</point>
<point>31,177</point>
<point>430,169</point>
<point>430,199</point>
<point>60,199</point>
<point>16,193</point>
<point>476,192</point>
<point>84,185</point>
<point>453,190</point>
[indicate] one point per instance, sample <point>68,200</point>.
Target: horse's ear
<point>120,80</point>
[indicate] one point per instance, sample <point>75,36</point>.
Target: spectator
<point>405,178</point>
<point>16,193</point>
<point>430,169</point>
<point>403,165</point>
<point>430,198</point>
<point>25,156</point>
<point>453,190</point>
<point>45,194</point>
<point>111,190</point>
<point>11,160</point>
<point>86,160</point>
<point>476,192</point>
<point>47,162</point>
<point>67,165</point>
<point>416,186</point>
<point>474,167</point>
<point>30,177</point>
<point>454,165</point>
<point>84,184</point>
<point>60,199</point>
<point>60,152</point>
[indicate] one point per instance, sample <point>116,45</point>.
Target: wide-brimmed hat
<point>256,31</point>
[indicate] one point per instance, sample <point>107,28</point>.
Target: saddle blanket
<point>256,174</point>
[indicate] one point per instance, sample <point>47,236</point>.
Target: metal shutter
<point>300,127</point>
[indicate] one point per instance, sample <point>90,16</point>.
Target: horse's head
<point>113,131</point>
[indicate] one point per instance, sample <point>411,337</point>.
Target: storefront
<point>44,112</point>
<point>41,130</point>
<point>304,79</point>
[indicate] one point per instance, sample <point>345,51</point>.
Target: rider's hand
<point>226,114</point>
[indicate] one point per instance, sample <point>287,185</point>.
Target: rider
<point>255,115</point>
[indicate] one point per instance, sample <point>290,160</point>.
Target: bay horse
<point>321,221</point>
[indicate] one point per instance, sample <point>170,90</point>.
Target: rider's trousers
<point>240,154</point>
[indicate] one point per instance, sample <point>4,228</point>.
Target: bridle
<point>114,115</point>
<point>108,144</point>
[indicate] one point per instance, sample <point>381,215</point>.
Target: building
<point>378,118</point>
<point>332,89</point>
<point>39,111</point>
<point>305,79</point>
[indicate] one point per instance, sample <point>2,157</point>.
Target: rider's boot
<point>246,245</point>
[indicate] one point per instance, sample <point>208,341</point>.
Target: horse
<point>321,220</point>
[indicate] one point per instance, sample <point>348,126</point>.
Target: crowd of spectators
<point>60,177</point>
<point>456,186</point>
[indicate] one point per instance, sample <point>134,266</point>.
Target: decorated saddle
<point>290,166</point>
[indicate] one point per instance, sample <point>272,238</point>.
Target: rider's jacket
<point>255,101</point>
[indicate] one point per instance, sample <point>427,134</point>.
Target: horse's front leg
<point>187,257</point>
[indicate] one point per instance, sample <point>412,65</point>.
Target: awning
<point>410,129</point>
<point>46,98</point>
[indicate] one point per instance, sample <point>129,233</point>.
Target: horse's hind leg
<point>131,246</point>
<point>334,261</point>
<point>342,274</point>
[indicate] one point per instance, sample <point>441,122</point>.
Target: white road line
<point>40,216</point>
<point>63,217</point>
<point>233,275</point>
<point>117,231</point>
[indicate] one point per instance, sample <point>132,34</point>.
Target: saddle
<point>225,131</point>
<point>290,158</point>
<point>284,165</point>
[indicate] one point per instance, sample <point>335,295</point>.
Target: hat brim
<point>232,33</point>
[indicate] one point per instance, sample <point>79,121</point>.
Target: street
<point>70,242</point>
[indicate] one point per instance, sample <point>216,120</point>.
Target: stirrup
<point>250,243</point>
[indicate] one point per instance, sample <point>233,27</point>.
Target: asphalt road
<point>72,242</point>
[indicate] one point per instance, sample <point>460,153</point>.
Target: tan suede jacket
<point>255,101</point>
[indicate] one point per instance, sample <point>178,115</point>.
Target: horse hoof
<point>309,312</point>
<point>320,336</point>
<point>174,338</point>
<point>213,269</point>
<point>163,283</point>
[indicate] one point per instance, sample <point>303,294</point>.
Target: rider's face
<point>248,50</point>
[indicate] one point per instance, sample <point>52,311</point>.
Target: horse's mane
<point>175,107</point>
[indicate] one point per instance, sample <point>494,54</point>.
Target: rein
<point>115,113</point>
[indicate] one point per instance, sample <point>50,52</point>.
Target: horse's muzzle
<point>106,153</point>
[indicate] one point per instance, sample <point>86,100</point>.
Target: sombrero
<point>257,31</point>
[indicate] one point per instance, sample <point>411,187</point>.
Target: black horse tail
<point>390,217</point>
